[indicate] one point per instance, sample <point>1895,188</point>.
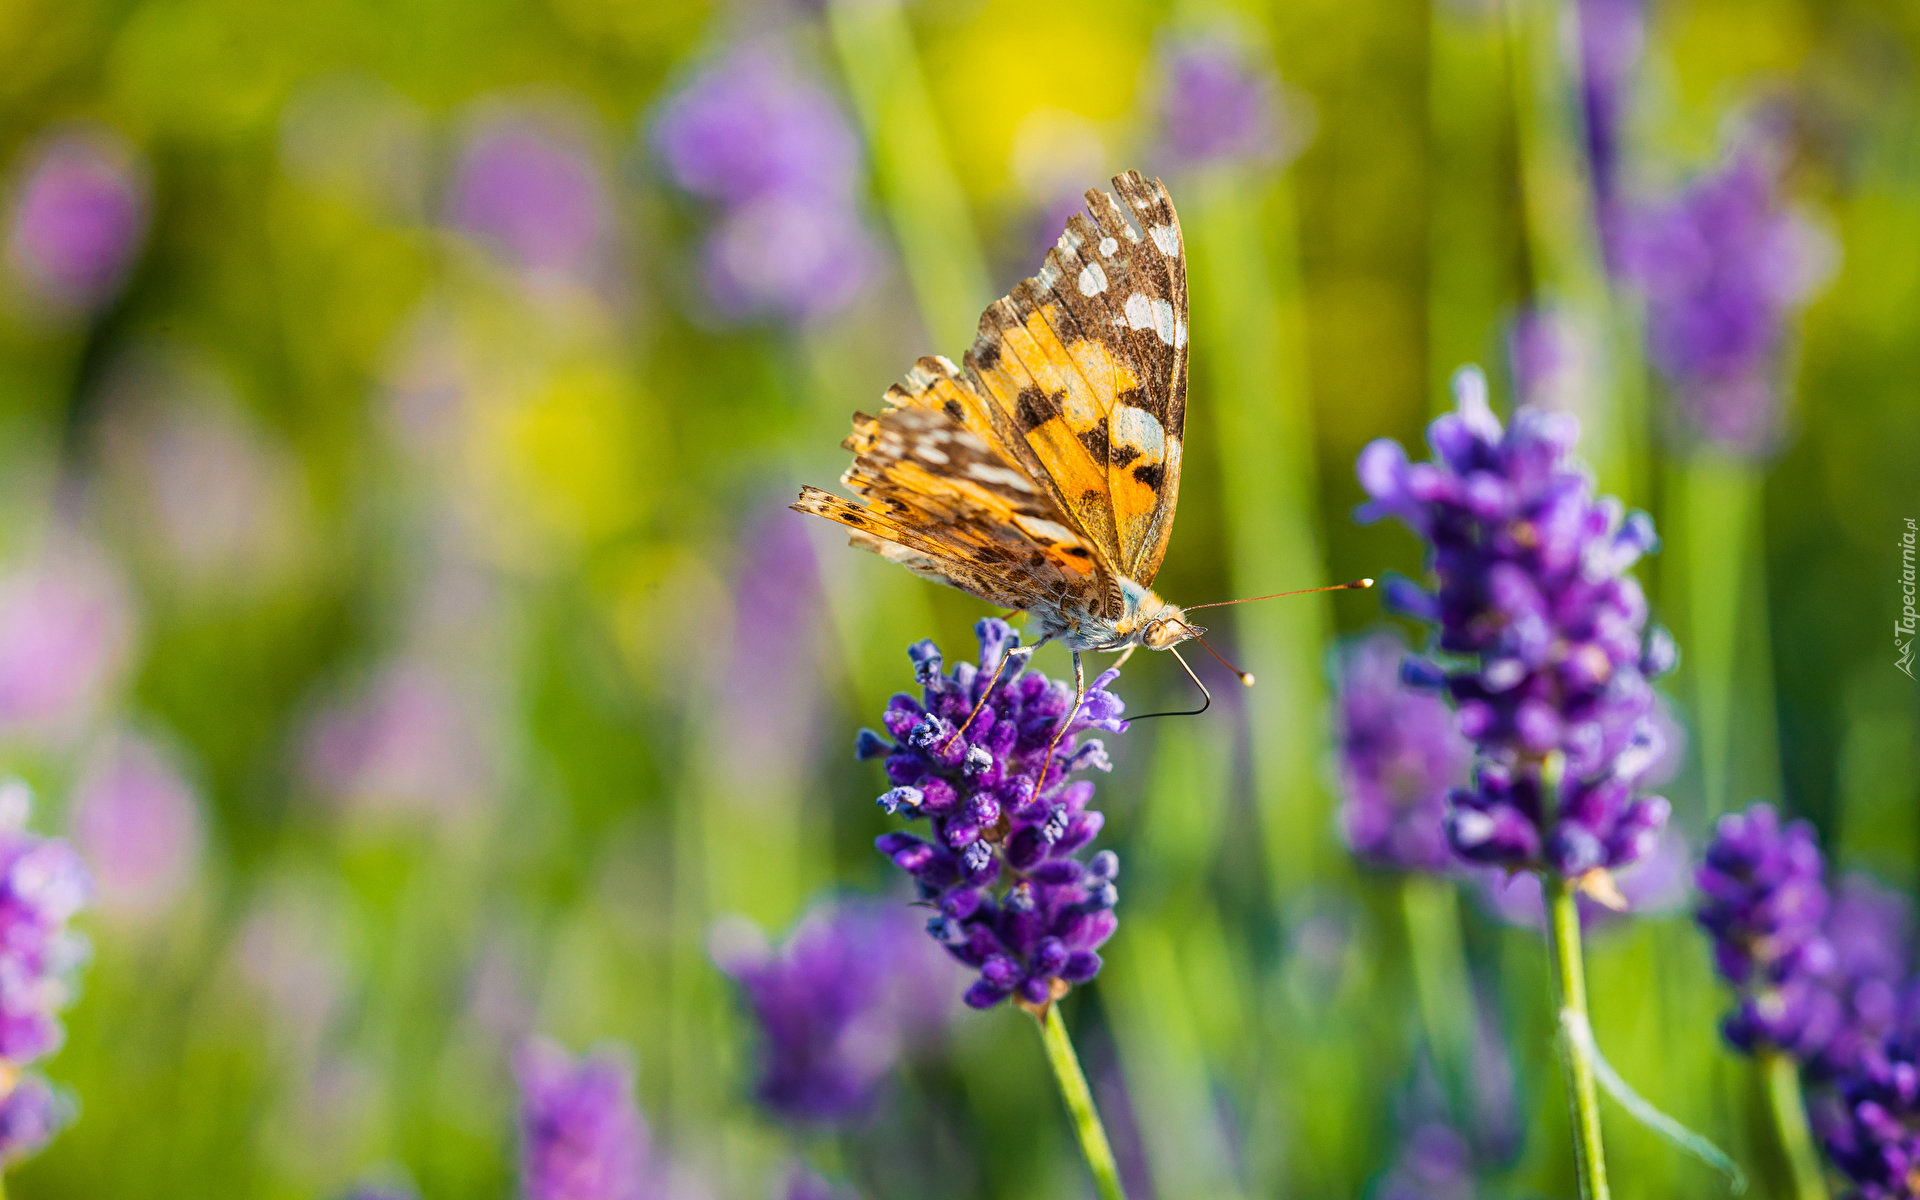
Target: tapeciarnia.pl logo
<point>1904,627</point>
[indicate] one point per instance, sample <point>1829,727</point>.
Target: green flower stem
<point>1790,1123</point>
<point>1570,1002</point>
<point>1079,1101</point>
<point>1431,909</point>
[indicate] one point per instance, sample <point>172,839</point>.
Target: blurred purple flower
<point>1869,930</point>
<point>1875,1137</point>
<point>1533,585</point>
<point>749,125</point>
<point>1553,358</point>
<point>31,1113</point>
<point>775,152</point>
<point>1612,37</point>
<point>796,257</point>
<point>1723,266</point>
<point>136,821</point>
<point>1216,107</point>
<point>1763,901</point>
<point>581,1135</point>
<point>776,611</point>
<point>1013,900</point>
<point>79,218</point>
<point>66,626</point>
<point>534,193</point>
<point>1399,756</point>
<point>43,883</point>
<point>406,744</point>
<point>1435,1164</point>
<point>836,1003</point>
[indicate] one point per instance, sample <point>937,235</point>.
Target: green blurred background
<point>444,599</point>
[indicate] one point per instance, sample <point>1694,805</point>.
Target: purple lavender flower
<point>835,1004</point>
<point>1215,106</point>
<point>66,626</point>
<point>1399,757</point>
<point>535,195</point>
<point>581,1135</point>
<point>793,256</point>
<point>42,885</point>
<point>80,218</point>
<point>406,744</point>
<point>136,821</point>
<point>31,1113</point>
<point>776,153</point>
<point>1875,1137</point>
<point>1612,36</point>
<point>1763,901</point>
<point>1013,900</point>
<point>750,126</point>
<point>1723,266</point>
<point>1533,585</point>
<point>1869,930</point>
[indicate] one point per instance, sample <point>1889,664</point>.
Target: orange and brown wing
<point>941,499</point>
<point>1085,369</point>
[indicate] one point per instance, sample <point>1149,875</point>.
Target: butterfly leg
<point>1079,698</point>
<point>1023,653</point>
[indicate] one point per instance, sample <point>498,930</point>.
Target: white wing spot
<point>937,457</point>
<point>1108,246</point>
<point>1005,477</point>
<point>1138,428</point>
<point>1046,276</point>
<point>1069,241</point>
<point>1167,238</point>
<point>1039,527</point>
<point>1180,332</point>
<point>1163,321</point>
<point>1133,235</point>
<point>1139,312</point>
<point>1093,280</point>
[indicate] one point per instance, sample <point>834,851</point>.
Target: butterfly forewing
<point>1087,362</point>
<point>1049,467</point>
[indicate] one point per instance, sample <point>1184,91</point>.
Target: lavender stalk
<point>1079,1102</point>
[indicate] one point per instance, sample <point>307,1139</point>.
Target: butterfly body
<point>1042,473</point>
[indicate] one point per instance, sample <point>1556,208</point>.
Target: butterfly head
<point>1167,629</point>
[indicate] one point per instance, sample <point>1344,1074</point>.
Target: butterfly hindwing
<point>944,501</point>
<point>1085,364</point>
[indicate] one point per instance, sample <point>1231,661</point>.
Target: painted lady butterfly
<point>1042,474</point>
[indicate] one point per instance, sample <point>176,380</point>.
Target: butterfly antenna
<point>1205,704</point>
<point>1245,677</point>
<point>1332,587</point>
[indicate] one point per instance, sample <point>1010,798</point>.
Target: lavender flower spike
<point>581,1135</point>
<point>1723,266</point>
<point>1013,900</point>
<point>42,885</point>
<point>1216,107</point>
<point>1875,1139</point>
<point>1400,755</point>
<point>835,1004</point>
<point>1533,587</point>
<point>1763,903</point>
<point>80,219</point>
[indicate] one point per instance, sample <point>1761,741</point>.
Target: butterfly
<point>1042,473</point>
